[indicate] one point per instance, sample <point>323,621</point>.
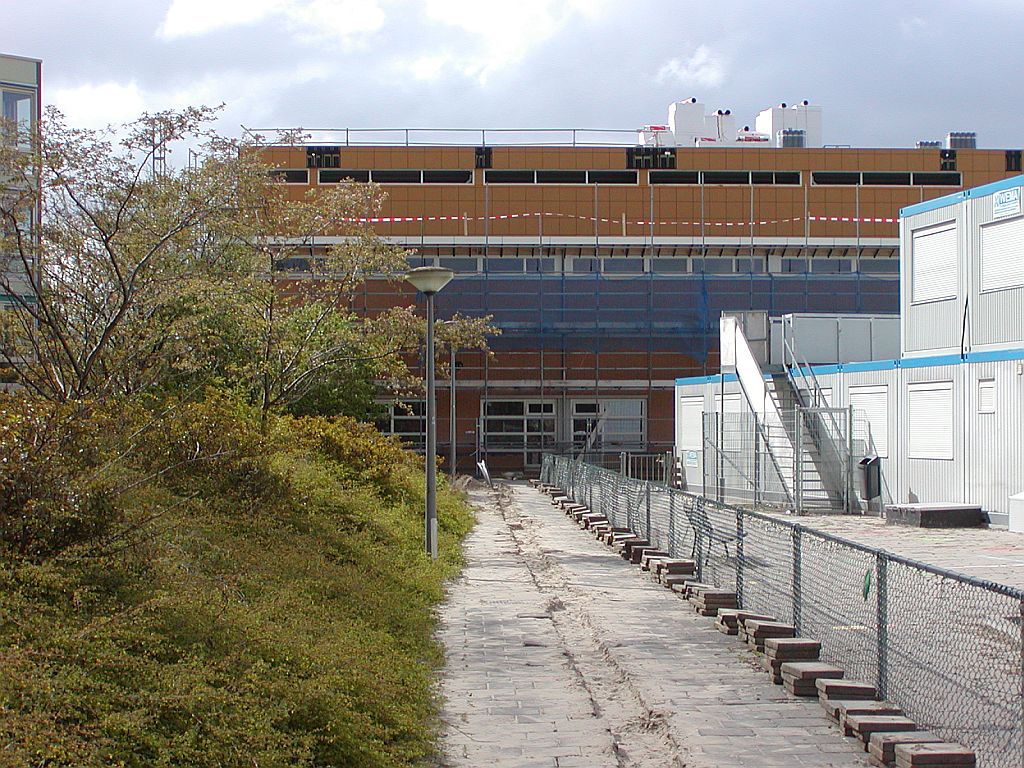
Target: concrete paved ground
<point>990,554</point>
<point>559,653</point>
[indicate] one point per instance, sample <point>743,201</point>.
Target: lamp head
<point>429,280</point>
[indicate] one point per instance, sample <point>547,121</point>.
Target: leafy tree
<point>142,277</point>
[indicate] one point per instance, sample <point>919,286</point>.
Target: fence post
<point>622,463</point>
<point>1022,681</point>
<point>797,591</point>
<point>647,493</point>
<point>672,526</point>
<point>798,459</point>
<point>849,461</point>
<point>670,462</point>
<point>739,558</point>
<point>882,620</point>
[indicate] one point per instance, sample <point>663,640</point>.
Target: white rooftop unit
<point>686,121</point>
<point>802,117</point>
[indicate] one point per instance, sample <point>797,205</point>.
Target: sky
<point>886,73</point>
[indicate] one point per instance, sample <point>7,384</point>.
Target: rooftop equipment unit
<point>928,144</point>
<point>791,138</point>
<point>961,140</point>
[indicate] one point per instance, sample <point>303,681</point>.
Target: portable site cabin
<point>946,417</point>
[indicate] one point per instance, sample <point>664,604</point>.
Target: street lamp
<point>429,281</point>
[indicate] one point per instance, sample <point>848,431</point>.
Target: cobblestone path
<point>559,653</point>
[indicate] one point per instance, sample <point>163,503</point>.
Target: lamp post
<point>429,281</point>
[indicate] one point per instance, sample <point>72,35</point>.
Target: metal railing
<point>946,648</point>
<point>442,137</point>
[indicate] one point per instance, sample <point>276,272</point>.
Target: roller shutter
<point>1002,255</point>
<point>933,265</point>
<point>870,405</point>
<point>930,420</point>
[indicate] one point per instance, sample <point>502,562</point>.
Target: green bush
<point>259,599</point>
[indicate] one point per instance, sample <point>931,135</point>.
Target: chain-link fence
<point>946,648</point>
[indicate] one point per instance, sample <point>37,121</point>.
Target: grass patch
<point>271,607</point>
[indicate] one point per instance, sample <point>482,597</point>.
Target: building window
<point>406,421</point>
<point>870,403</point>
<point>396,177</point>
<point>650,157</point>
<point>713,266</point>
<point>986,395</point>
<point>930,420</point>
<point>836,178</point>
<point>673,177</point>
<point>323,157</point>
<point>1013,164</point>
<point>336,177</point>
<point>886,179</point>
<point>947,159</point>
<point>482,157</point>
<point>612,177</point>
<point>18,111</point>
<point>540,265</point>
<point>289,175</point>
<point>933,274</point>
<point>460,265</point>
<point>1001,255</point>
<point>948,179</point>
<point>879,266</point>
<point>623,266</point>
<point>561,177</point>
<point>794,266</point>
<point>509,177</point>
<point>830,266</point>
<point>726,177</point>
<point>515,426</point>
<point>670,266</point>
<point>447,177</point>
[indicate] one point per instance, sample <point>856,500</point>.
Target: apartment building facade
<point>607,260</point>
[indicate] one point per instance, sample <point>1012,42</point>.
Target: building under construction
<point>607,257</point>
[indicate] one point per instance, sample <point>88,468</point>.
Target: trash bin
<point>869,470</point>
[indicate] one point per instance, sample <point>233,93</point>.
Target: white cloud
<point>499,33</point>
<point>97,105</point>
<point>250,98</point>
<point>306,20</point>
<point>913,27</point>
<point>189,18</point>
<point>703,68</point>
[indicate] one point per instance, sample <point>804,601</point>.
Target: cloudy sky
<point>886,73</point>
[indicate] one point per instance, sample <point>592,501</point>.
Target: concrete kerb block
<point>626,546</point>
<point>935,755</point>
<point>844,689</point>
<point>838,710</point>
<point>636,554</point>
<point>862,726</point>
<point>882,744</point>
<point>798,677</point>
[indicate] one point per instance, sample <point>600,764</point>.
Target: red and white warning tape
<point>603,220</point>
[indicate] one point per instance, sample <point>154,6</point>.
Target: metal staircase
<point>798,438</point>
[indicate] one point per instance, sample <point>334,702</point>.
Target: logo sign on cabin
<point>1006,203</point>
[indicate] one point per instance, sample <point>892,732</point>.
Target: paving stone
<point>862,726</point>
<point>882,745</point>
<point>944,755</point>
<point>692,676</point>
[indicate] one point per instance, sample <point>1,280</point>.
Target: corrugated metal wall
<point>988,448</point>
<point>935,325</point>
<point>996,317</point>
